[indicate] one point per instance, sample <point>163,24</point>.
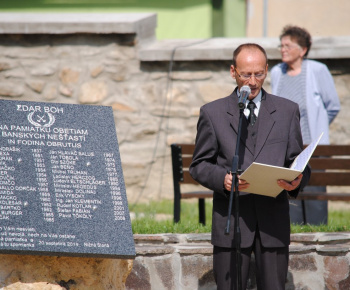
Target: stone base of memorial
<point>57,273</point>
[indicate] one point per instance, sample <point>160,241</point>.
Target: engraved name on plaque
<point>62,190</point>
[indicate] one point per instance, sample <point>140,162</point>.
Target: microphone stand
<point>235,171</point>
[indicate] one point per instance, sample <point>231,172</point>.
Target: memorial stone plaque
<point>62,189</point>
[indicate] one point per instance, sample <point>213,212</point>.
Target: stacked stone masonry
<point>170,261</point>
<point>177,261</point>
<point>119,63</point>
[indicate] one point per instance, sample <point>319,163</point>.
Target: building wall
<point>213,18</point>
<point>320,17</point>
<point>178,19</point>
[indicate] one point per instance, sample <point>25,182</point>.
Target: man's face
<point>250,70</point>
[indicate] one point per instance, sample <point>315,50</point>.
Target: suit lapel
<point>266,122</point>
<point>234,112</point>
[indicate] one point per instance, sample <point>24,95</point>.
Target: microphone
<point>245,92</point>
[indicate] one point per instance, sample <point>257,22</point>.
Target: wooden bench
<point>181,155</point>
<point>330,167</point>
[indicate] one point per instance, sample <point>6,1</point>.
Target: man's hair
<point>247,46</point>
<point>298,34</point>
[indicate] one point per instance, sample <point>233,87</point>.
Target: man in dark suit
<point>275,139</point>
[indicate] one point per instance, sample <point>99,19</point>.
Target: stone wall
<point>177,261</point>
<point>115,61</point>
<point>317,261</point>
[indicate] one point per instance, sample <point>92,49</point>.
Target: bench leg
<point>303,211</point>
<point>201,210</point>
<point>177,208</point>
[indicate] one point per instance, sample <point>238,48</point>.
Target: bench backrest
<point>330,165</point>
<point>182,158</point>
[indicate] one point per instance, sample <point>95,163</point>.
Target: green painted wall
<point>176,18</point>
<point>234,18</point>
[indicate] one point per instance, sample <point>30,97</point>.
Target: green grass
<point>338,221</point>
<point>147,219</point>
<point>147,215</point>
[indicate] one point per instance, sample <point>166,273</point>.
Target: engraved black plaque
<point>62,190</point>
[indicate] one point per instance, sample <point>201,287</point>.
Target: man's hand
<point>289,186</point>
<point>242,184</point>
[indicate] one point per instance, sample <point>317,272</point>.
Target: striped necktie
<point>252,116</point>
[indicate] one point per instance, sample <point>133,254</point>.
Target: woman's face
<point>291,51</point>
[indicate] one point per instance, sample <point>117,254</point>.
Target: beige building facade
<point>266,18</point>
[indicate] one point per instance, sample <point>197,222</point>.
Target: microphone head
<point>245,89</point>
<point>245,92</point>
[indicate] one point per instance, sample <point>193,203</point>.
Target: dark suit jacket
<point>278,142</point>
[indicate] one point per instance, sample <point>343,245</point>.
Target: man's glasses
<point>244,77</point>
<point>287,46</point>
